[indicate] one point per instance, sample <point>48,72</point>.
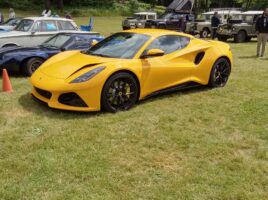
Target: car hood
<point>67,63</point>
<point>12,34</point>
<point>18,49</point>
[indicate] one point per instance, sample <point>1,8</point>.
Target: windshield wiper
<point>98,54</point>
<point>49,46</point>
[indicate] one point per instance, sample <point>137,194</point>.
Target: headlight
<point>88,75</point>
<point>233,29</point>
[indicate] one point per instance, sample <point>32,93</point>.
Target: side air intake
<point>199,57</point>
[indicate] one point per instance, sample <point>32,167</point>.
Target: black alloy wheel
<point>120,92</point>
<point>220,73</point>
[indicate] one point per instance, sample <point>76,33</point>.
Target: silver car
<point>33,31</point>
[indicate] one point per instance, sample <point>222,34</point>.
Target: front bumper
<point>59,94</point>
<point>225,32</point>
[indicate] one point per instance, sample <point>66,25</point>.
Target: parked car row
<point>235,24</point>
<point>36,39</point>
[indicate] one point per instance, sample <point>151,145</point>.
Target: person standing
<point>68,15</point>
<point>262,33</point>
<point>12,13</point>
<point>215,22</point>
<point>1,18</point>
<point>182,24</point>
<point>46,13</point>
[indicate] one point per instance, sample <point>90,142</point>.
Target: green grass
<point>193,144</point>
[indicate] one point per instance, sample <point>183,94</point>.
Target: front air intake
<point>72,99</point>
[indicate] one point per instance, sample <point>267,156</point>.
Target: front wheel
<point>120,92</point>
<point>241,36</point>
<point>220,73</point>
<point>204,33</point>
<point>31,65</point>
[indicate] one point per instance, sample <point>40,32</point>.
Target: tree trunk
<point>60,4</point>
<point>47,4</point>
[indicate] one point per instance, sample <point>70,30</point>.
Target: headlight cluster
<point>88,75</point>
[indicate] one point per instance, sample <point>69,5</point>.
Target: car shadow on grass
<point>33,105</point>
<point>248,57</point>
<point>180,92</point>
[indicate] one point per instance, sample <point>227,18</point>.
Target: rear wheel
<point>204,33</point>
<point>220,73</point>
<point>120,92</point>
<point>31,65</point>
<point>241,36</point>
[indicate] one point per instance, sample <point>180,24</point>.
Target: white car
<point>33,31</point>
<point>9,25</point>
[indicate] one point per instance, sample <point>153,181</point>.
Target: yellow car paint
<point>153,74</point>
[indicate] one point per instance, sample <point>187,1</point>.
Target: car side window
<point>151,16</point>
<point>45,26</point>
<point>66,26</point>
<point>169,43</point>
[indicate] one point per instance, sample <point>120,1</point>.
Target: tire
<point>31,65</point>
<point>240,37</point>
<point>119,93</point>
<point>220,73</point>
<point>222,38</point>
<point>204,33</point>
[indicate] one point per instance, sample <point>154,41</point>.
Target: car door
<point>169,70</point>
<point>174,22</point>
<point>42,30</point>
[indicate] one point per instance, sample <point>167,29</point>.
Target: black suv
<point>168,20</point>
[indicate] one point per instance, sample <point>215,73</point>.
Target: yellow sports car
<point>129,66</point>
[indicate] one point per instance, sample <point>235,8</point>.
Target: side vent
<point>199,57</point>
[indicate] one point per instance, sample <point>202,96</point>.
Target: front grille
<point>44,93</point>
<point>72,99</point>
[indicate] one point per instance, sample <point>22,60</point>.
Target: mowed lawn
<point>193,144</point>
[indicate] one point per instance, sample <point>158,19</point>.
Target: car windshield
<point>57,41</point>
<point>139,16</point>
<point>165,16</point>
<point>119,45</point>
<point>24,25</point>
<point>9,22</point>
<point>206,17</point>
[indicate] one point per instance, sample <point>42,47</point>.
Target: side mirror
<point>153,53</point>
<point>32,32</point>
<point>63,49</point>
<point>94,42</point>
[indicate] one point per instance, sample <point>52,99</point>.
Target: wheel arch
<point>10,44</point>
<point>225,57</point>
<point>25,60</point>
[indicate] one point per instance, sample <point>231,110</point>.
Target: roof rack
<point>220,9</point>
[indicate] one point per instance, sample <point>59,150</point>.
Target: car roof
<point>157,32</point>
<point>48,18</point>
<point>145,13</point>
<point>79,32</point>
<point>223,12</point>
<point>254,12</point>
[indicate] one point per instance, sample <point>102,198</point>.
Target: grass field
<point>194,144</point>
